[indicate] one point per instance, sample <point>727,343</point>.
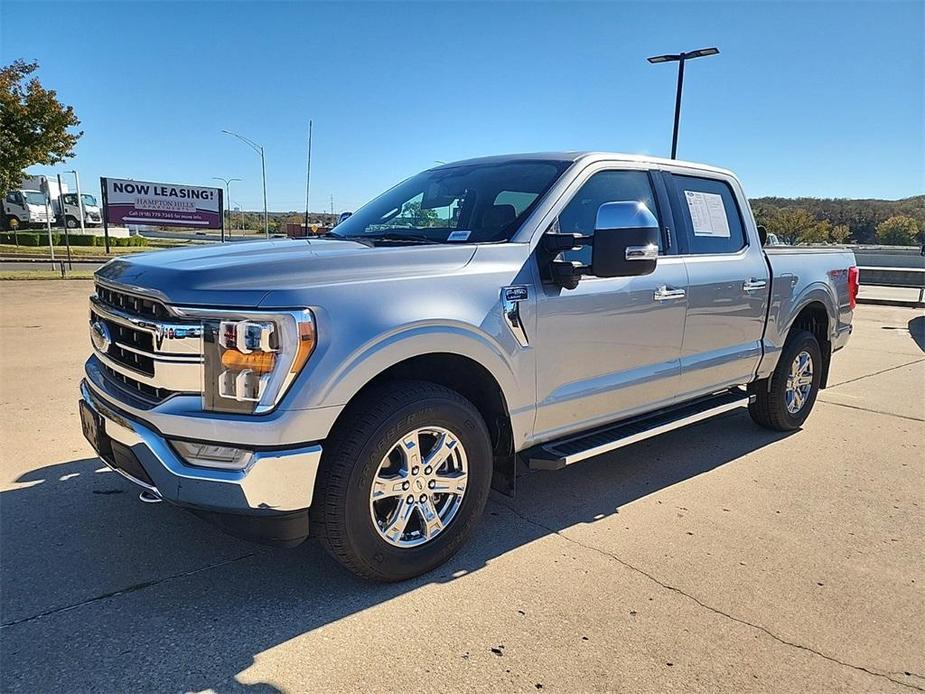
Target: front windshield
<point>89,200</point>
<point>33,197</point>
<point>465,203</point>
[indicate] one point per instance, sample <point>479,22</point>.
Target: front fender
<point>385,351</point>
<point>509,364</point>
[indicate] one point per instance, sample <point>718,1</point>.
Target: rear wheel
<point>784,401</point>
<point>403,482</point>
<point>13,223</point>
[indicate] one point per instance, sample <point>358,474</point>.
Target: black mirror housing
<point>625,244</point>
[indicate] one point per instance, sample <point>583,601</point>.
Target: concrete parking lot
<point>721,557</point>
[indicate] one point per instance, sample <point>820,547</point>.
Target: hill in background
<point>860,216</point>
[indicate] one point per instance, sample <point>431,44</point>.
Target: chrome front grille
<point>132,303</point>
<point>144,347</point>
<point>136,389</point>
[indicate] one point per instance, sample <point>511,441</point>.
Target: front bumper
<point>275,482</point>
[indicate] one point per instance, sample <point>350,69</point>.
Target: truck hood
<point>243,273</point>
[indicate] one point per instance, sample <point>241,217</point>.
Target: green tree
<point>825,232</point>
<point>35,128</point>
<point>418,217</point>
<point>898,230</point>
<point>840,233</point>
<point>792,225</point>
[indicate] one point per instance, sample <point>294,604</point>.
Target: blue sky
<point>822,99</point>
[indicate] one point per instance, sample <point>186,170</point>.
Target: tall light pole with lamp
<point>227,201</point>
<point>680,59</point>
<point>263,165</point>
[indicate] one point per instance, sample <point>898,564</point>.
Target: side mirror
<point>625,242</point>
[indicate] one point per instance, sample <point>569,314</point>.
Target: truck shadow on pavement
<point>103,593</point>
<point>917,331</point>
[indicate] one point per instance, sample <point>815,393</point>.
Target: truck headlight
<point>251,359</point>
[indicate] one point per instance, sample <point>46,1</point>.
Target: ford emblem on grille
<point>99,335</point>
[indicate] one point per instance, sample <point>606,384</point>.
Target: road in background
<point>719,557</point>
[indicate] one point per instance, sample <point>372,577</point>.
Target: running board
<point>557,454</point>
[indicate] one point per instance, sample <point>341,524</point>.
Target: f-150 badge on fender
<point>510,308</point>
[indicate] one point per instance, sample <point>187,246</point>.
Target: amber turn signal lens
<point>258,362</point>
<point>306,346</point>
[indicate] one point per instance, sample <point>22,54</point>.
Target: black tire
<point>770,406</point>
<point>72,222</point>
<point>340,510</point>
<point>13,223</point>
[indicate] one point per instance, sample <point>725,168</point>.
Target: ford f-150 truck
<point>477,320</point>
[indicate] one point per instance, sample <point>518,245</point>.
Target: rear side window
<point>710,215</point>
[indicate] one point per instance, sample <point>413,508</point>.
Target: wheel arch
<point>814,317</point>
<point>461,374</point>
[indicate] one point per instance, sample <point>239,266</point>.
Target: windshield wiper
<point>338,237</point>
<point>395,237</point>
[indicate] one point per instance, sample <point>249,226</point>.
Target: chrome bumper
<point>279,481</point>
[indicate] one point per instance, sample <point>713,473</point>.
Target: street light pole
<point>227,202</point>
<point>680,59</point>
<point>308,173</point>
<point>263,166</point>
<point>677,110</point>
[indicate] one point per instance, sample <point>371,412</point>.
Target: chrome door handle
<point>665,293</point>
<point>753,284</point>
<point>647,252</point>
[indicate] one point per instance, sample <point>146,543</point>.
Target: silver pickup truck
<point>478,320</point>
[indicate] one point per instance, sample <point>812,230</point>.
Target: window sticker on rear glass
<point>459,235</point>
<point>708,214</point>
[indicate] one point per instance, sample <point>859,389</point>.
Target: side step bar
<point>557,454</point>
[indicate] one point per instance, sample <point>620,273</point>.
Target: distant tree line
<point>842,220</point>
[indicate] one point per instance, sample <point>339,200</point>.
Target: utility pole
<point>308,173</point>
<point>680,58</point>
<point>80,205</point>
<point>47,190</point>
<point>67,238</point>
<point>332,209</point>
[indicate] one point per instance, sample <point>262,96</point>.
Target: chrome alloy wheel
<point>799,382</point>
<point>419,487</point>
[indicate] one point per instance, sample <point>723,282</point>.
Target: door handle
<point>665,293</point>
<point>647,252</point>
<point>754,284</point>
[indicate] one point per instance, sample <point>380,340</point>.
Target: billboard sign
<point>161,204</point>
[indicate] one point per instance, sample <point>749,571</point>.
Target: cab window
<point>710,215</point>
<point>580,213</point>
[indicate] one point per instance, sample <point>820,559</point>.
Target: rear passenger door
<point>728,283</point>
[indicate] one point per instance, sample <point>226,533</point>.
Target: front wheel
<point>72,222</point>
<point>784,401</point>
<point>403,482</point>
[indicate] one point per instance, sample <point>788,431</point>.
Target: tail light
<point>853,283</point>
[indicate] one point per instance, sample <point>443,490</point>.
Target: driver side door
<point>611,347</point>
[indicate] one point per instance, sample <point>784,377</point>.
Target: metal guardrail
<point>906,277</point>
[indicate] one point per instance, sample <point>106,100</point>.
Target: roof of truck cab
<point>587,157</point>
